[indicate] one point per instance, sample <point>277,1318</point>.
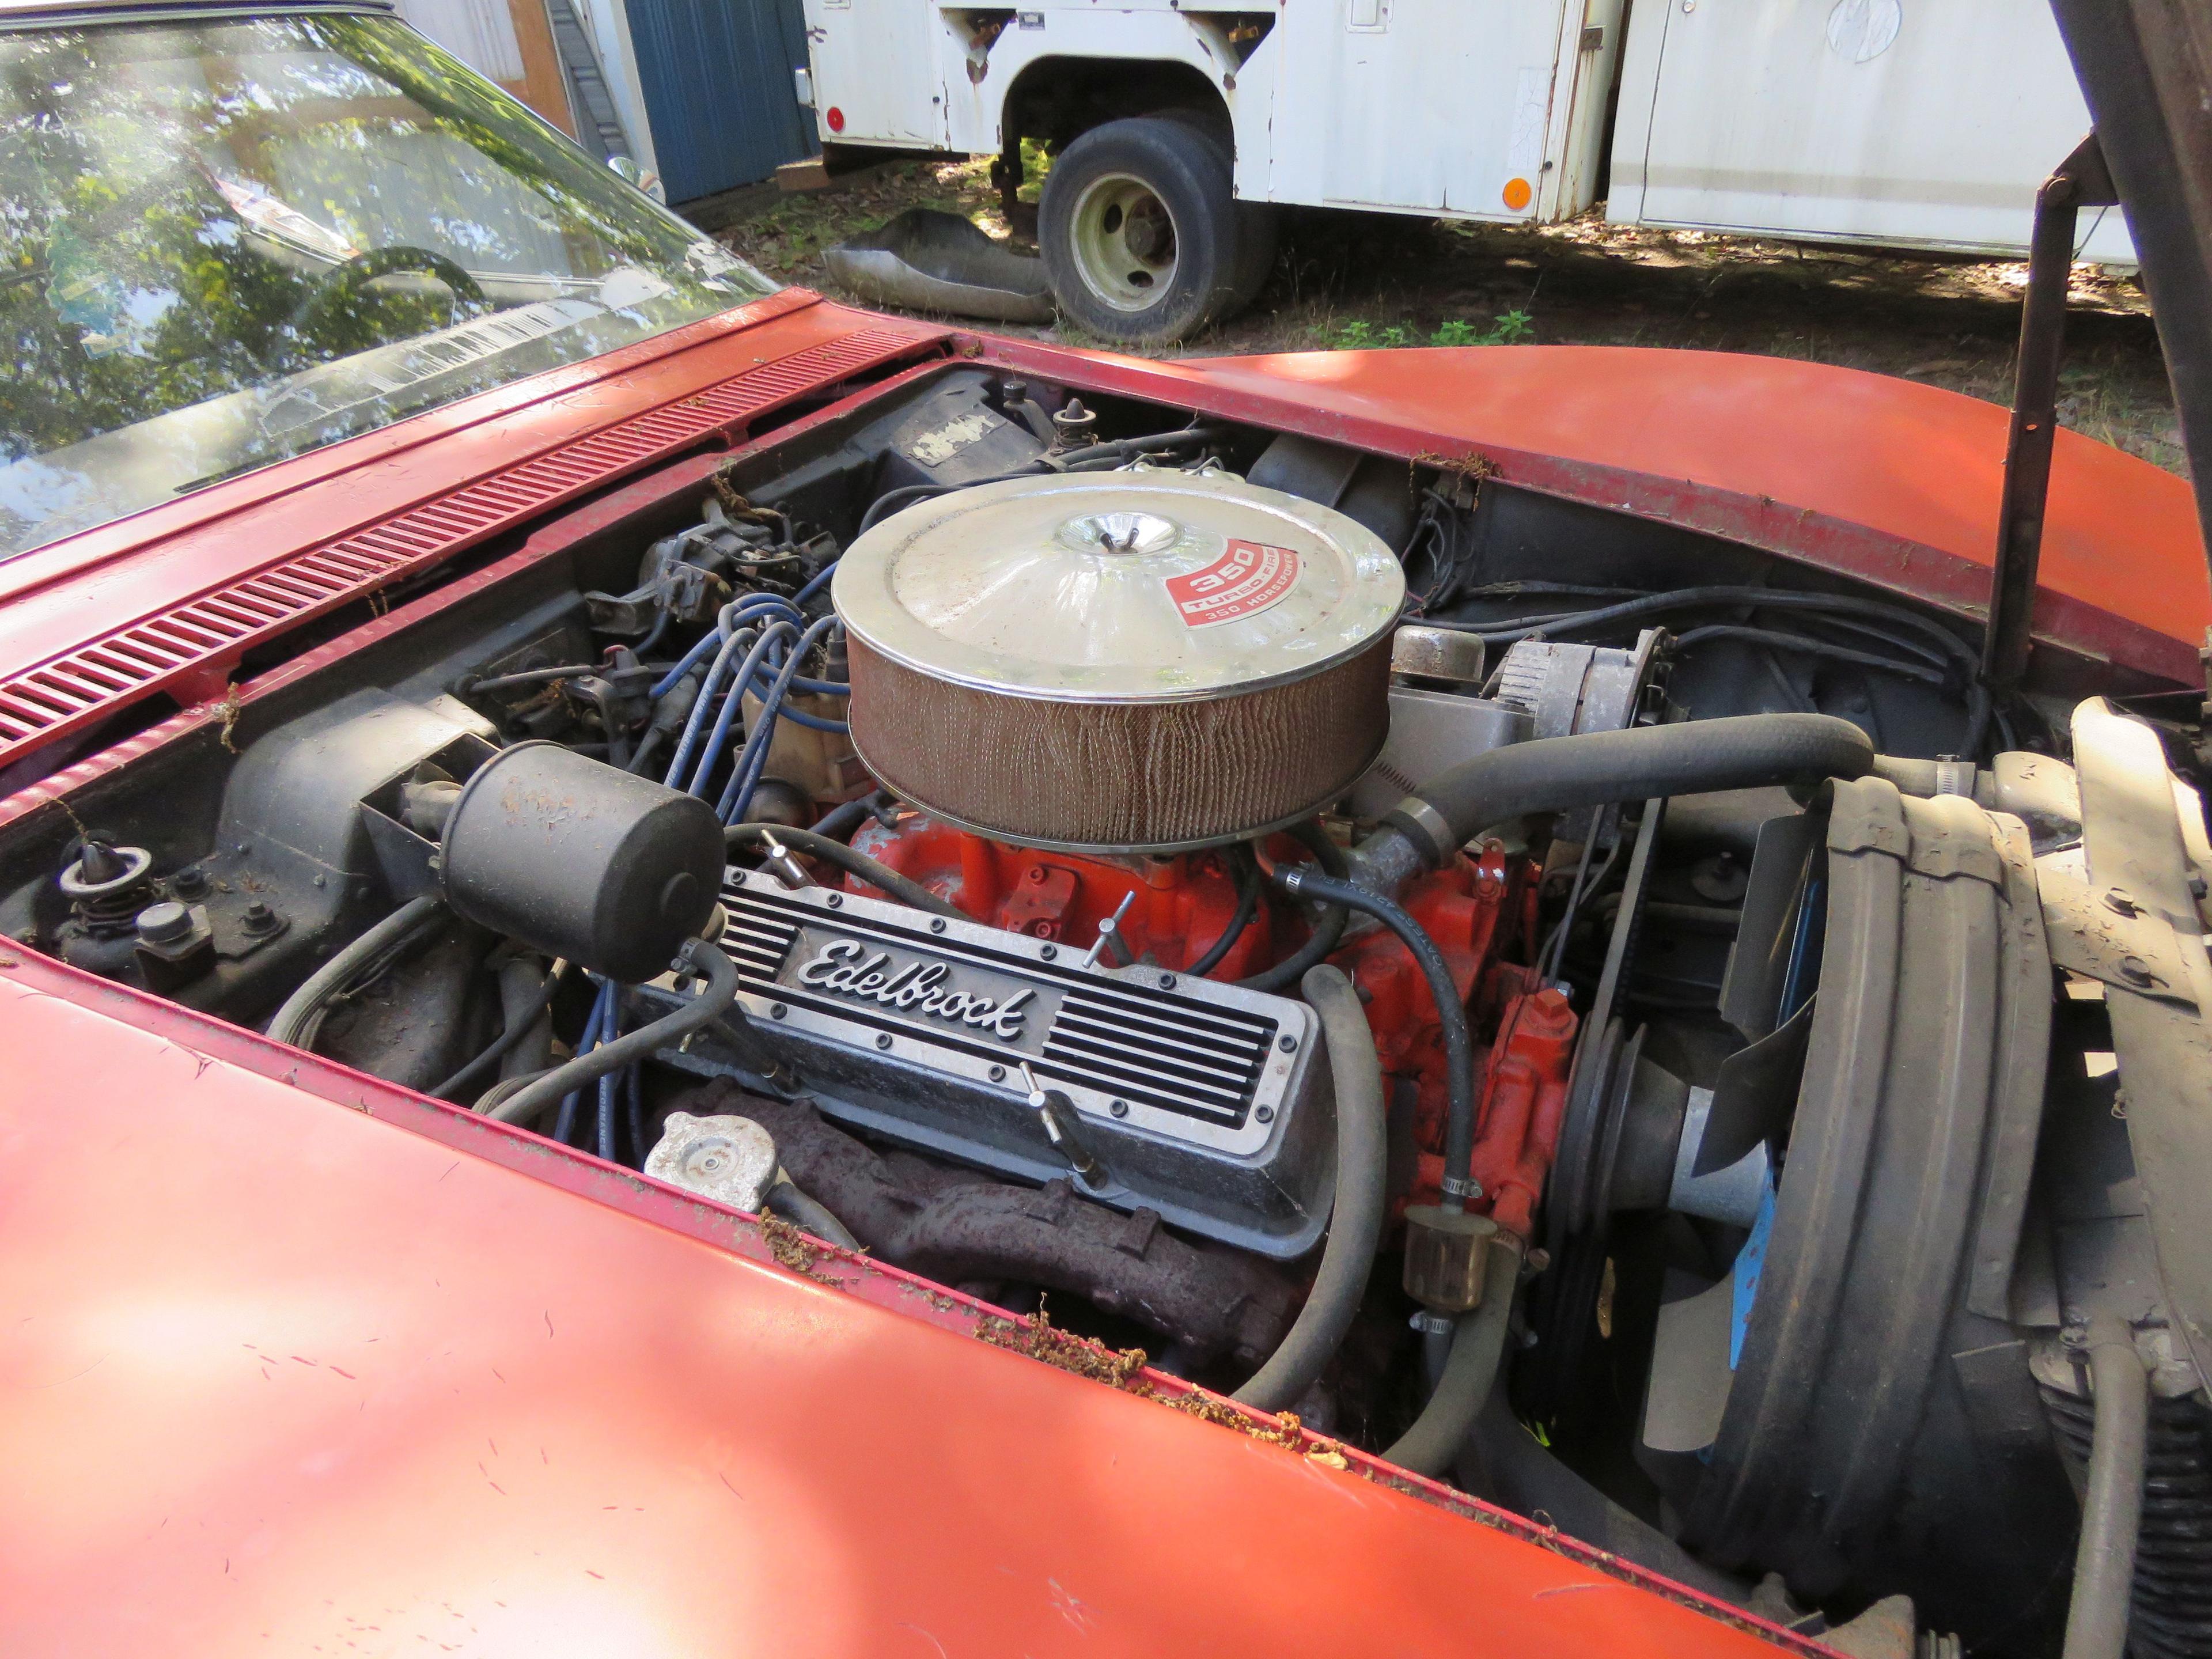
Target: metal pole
<point>2081,181</point>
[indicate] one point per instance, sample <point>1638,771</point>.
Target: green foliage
<point>165,247</point>
<point>1359,334</point>
<point>1036,164</point>
<point>1509,328</point>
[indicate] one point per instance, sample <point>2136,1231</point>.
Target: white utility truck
<point>1176,126</point>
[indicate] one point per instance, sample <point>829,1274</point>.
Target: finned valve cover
<point>1198,1098</point>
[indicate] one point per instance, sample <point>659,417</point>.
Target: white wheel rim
<point>1122,238</point>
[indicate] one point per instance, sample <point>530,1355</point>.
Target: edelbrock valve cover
<point>1206,1103</point>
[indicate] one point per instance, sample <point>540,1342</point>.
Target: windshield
<point>224,242</point>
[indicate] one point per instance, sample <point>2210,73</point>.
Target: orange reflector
<point>1518,194</point>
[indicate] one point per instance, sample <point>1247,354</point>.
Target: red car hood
<point>296,1359</point>
<point>296,1362</point>
<point>1863,474</point>
<point>1877,477</point>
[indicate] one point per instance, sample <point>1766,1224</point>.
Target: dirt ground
<point>1354,280</point>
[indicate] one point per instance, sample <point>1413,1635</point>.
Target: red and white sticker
<point>1244,582</point>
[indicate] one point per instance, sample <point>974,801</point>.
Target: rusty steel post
<point>2081,181</point>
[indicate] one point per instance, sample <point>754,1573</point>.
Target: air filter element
<point>1141,660</point>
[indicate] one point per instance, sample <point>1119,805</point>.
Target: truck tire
<point>1255,221</point>
<point>1144,242</point>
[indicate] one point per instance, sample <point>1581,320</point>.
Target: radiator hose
<point>1504,1464</point>
<point>1598,768</point>
<point>785,1200</point>
<point>1478,1349</point>
<point>1355,1222</point>
<point>2112,1505</point>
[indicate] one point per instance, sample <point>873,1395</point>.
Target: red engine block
<point>1476,911</point>
<point>1183,903</point>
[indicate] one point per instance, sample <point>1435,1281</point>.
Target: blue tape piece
<point>1750,1262</point>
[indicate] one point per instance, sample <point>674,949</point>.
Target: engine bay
<point>1604,1017</point>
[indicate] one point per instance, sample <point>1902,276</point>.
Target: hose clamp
<point>688,953</point>
<point>1460,1187</point>
<point>1431,824</point>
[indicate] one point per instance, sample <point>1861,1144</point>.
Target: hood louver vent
<point>189,650</point>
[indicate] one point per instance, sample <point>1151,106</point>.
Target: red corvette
<point>685,971</point>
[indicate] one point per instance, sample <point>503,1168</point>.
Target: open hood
<point>2145,68</point>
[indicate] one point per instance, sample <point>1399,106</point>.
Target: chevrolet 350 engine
<point>1296,913</point>
<point>1202,1101</point>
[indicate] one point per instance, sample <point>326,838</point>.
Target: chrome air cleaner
<point>1140,660</point>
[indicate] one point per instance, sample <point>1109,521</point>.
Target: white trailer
<point>1850,121</point>
<point>1178,125</point>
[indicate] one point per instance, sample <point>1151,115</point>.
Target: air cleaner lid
<point>1147,586</point>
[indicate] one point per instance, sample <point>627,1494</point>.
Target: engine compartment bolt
<point>789,870</point>
<point>1167,981</point>
<point>1265,1114</point>
<point>936,924</point>
<point>777,1010</point>
<point>1720,879</point>
<point>1287,1043</point>
<point>883,1039</point>
<point>1047,952</point>
<point>1120,1109</point>
<point>1110,934</point>
<point>1056,1112</point>
<point>257,919</point>
<point>100,865</point>
<point>998,1074</point>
